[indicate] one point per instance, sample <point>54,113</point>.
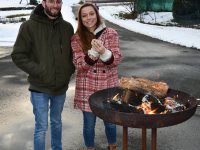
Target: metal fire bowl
<point>137,120</point>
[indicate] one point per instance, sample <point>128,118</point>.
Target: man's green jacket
<point>43,50</point>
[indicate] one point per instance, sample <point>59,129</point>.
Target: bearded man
<point>43,50</point>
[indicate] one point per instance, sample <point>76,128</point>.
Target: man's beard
<point>50,14</point>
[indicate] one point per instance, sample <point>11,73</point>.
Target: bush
<point>185,7</point>
<point>81,2</point>
<point>133,15</point>
<point>33,2</point>
<point>125,15</point>
<point>17,15</point>
<point>186,10</point>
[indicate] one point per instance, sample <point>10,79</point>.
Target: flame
<point>169,103</point>
<point>146,107</point>
<point>175,96</point>
<point>153,111</point>
<point>115,98</point>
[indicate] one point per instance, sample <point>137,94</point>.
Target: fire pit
<point>113,114</point>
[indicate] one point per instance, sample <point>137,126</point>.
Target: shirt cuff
<point>106,55</point>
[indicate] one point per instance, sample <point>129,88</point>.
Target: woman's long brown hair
<point>85,35</point>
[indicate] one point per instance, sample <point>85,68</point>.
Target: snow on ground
<point>183,36</point>
<point>178,35</point>
<point>13,3</point>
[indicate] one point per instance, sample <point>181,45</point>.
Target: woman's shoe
<point>112,147</point>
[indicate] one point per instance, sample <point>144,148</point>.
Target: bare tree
<point>131,13</point>
<point>21,1</point>
<point>129,6</point>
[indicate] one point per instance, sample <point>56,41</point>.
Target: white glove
<point>93,52</point>
<point>106,55</point>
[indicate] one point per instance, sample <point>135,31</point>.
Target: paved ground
<point>142,56</point>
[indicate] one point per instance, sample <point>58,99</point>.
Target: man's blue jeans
<point>89,121</point>
<point>42,102</point>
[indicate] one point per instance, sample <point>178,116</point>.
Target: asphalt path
<point>142,56</point>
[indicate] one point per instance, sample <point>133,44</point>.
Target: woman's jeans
<point>42,102</point>
<point>89,121</point>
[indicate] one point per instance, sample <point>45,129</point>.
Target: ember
<point>130,101</point>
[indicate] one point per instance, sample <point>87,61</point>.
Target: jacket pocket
<point>45,78</point>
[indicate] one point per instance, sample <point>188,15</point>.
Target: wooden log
<point>158,89</point>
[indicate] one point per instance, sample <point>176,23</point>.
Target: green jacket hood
<point>39,15</point>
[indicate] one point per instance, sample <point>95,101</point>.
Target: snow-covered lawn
<point>178,35</point>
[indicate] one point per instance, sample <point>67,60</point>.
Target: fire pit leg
<point>125,138</point>
<point>153,138</point>
<point>144,138</point>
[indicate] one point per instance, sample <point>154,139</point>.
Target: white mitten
<point>93,52</point>
<point>106,55</point>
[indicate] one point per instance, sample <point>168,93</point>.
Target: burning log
<point>158,89</point>
<point>134,102</point>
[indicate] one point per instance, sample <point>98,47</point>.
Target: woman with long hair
<point>96,56</point>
